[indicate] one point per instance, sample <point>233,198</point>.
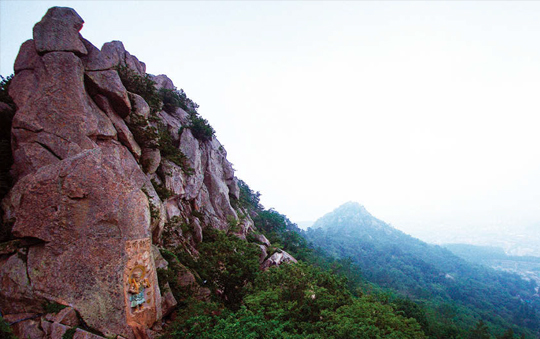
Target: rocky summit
<point>104,176</point>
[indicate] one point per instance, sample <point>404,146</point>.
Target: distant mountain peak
<point>351,216</point>
<point>352,207</point>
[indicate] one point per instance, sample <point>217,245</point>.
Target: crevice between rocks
<point>25,258</point>
<point>28,129</point>
<point>56,135</point>
<point>100,139</point>
<point>48,149</point>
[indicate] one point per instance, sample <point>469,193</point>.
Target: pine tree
<point>509,334</point>
<point>480,332</point>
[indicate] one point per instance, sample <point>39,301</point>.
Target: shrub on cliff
<point>200,128</point>
<point>4,91</point>
<point>248,199</point>
<point>173,98</point>
<point>141,85</point>
<point>170,151</point>
<point>5,330</point>
<point>6,158</point>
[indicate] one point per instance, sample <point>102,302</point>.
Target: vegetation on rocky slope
<point>7,110</point>
<point>5,330</point>
<point>324,296</point>
<point>167,99</point>
<point>317,298</point>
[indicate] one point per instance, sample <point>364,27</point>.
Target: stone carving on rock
<point>140,283</point>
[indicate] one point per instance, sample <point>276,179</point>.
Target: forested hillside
<point>460,293</point>
<point>318,297</point>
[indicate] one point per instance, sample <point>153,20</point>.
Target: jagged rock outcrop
<point>101,177</point>
<point>278,258</point>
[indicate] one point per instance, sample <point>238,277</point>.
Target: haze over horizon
<point>425,113</point>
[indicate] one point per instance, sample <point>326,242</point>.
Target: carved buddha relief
<point>139,281</point>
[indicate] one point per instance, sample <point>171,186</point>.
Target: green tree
<point>410,309</point>
<point>366,319</point>
<point>298,292</point>
<point>227,264</point>
<point>508,334</point>
<point>249,199</point>
<point>5,330</point>
<point>481,331</point>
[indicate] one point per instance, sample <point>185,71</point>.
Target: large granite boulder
<point>59,31</point>
<point>82,208</point>
<point>95,60</point>
<point>28,58</point>
<point>215,179</point>
<point>17,295</point>
<point>109,84</point>
<point>56,116</point>
<point>124,134</point>
<point>115,53</point>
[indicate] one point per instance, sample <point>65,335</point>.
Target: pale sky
<point>427,113</point>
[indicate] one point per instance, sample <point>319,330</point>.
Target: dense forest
<point>319,297</point>
<point>346,288</point>
<point>458,294</point>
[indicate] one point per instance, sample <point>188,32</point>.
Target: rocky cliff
<point>109,164</point>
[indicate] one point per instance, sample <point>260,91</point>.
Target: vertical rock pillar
<point>78,191</point>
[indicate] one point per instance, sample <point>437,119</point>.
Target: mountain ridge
<point>352,218</point>
<point>424,272</point>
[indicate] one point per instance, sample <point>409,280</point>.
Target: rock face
<point>77,187</point>
<point>99,180</point>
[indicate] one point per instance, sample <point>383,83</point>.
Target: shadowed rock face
<point>85,208</point>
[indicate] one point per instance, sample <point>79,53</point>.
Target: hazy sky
<point>425,112</point>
